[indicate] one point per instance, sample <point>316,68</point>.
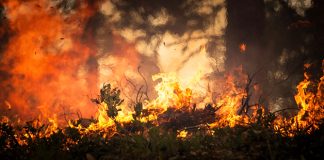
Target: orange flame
<point>49,71</point>
<point>51,61</point>
<point>310,105</point>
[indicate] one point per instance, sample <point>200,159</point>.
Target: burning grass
<point>253,141</point>
<point>174,126</point>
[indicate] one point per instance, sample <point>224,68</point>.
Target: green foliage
<point>111,96</point>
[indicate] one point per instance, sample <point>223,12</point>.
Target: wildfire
<point>170,93</point>
<point>228,105</point>
<point>310,104</point>
<point>44,42</point>
<point>52,63</point>
<point>50,68</point>
<point>227,108</point>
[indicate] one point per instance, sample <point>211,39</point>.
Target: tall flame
<point>46,60</point>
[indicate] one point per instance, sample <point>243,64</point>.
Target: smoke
<point>48,65</point>
<point>56,55</point>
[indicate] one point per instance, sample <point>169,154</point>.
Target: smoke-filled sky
<point>57,54</point>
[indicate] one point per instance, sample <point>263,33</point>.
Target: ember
<point>242,47</point>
